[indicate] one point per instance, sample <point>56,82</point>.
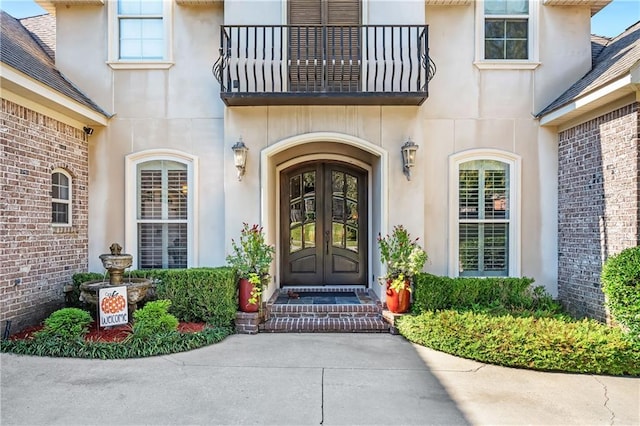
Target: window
<point>485,231</point>
<point>506,29</point>
<point>139,32</point>
<point>506,33</point>
<point>60,198</point>
<point>160,225</point>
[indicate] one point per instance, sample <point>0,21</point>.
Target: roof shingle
<point>20,50</point>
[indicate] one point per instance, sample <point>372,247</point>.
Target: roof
<point>20,50</point>
<point>43,30</point>
<point>614,61</point>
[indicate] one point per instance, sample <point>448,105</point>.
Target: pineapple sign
<point>112,306</point>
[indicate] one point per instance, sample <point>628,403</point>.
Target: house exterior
<point>325,96</point>
<point>44,201</point>
<point>598,124</point>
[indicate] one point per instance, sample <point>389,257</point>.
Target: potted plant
<point>403,258</point>
<point>251,259</point>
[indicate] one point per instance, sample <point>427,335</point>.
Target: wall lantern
<point>408,157</point>
<point>240,157</point>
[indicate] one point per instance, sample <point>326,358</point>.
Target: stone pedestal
<point>247,322</point>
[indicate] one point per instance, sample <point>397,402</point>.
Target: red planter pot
<point>244,294</point>
<point>398,302</point>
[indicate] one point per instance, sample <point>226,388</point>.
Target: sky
<point>609,22</point>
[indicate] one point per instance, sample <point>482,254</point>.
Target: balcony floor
<point>319,98</point>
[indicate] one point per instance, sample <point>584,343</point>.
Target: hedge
<point>433,293</point>
<point>550,344</point>
<point>196,294</point>
<point>621,285</point>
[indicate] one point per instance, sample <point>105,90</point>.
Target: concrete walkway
<point>305,379</point>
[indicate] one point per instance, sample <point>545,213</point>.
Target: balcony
<point>324,65</point>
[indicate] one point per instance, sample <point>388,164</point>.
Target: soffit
<point>595,5</point>
<point>50,5</point>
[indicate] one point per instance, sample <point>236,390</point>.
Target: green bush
<point>160,344</point>
<point>548,344</point>
<point>66,324</point>
<point>196,294</point>
<point>621,285</point>
<point>435,293</point>
<point>201,294</point>
<point>153,319</point>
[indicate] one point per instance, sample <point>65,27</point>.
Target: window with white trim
<point>162,214</point>
<point>139,31</point>
<point>506,34</point>
<point>61,191</point>
<point>506,29</point>
<point>484,206</point>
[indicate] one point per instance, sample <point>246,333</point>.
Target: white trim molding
<point>532,62</point>
<point>131,192</point>
<point>514,162</point>
<point>378,187</point>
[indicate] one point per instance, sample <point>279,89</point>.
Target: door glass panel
<point>352,238</point>
<point>302,211</point>
<point>352,188</point>
<point>338,235</point>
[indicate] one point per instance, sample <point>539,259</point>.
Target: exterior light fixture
<point>240,157</point>
<point>408,150</point>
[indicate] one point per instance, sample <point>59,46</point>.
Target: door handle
<point>326,241</point>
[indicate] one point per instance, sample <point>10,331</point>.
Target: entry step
<point>374,324</point>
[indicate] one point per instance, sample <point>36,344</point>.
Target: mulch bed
<point>112,334</point>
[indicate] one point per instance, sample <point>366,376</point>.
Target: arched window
<point>61,198</point>
<point>484,233</point>
<point>160,232</point>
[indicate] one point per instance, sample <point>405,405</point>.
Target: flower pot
<point>398,302</point>
<point>244,294</point>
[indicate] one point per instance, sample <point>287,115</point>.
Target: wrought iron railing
<point>336,60</point>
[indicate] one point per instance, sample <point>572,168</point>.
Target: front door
<point>323,225</point>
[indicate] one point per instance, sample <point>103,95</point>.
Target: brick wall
<point>36,259</point>
<point>598,204</point>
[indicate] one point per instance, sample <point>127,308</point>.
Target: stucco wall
<point>37,259</point>
<point>178,108</point>
<point>468,107</point>
<point>599,203</point>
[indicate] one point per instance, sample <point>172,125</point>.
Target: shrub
<point>621,285</point>
<point>162,344</point>
<point>196,294</point>
<point>435,293</point>
<point>201,294</point>
<point>552,344</point>
<point>66,324</point>
<point>153,319</point>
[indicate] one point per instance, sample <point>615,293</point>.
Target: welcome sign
<point>112,306</point>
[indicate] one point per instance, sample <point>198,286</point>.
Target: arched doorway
<point>324,224</point>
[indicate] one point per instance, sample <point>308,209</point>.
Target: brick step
<point>373,324</point>
<point>276,311</point>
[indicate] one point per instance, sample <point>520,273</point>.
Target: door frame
<point>288,148</point>
<point>365,210</point>
<point>324,158</point>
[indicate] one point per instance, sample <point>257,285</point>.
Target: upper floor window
<point>139,32</point>
<point>506,29</point>
<point>485,229</point>
<point>505,35</point>
<point>60,198</point>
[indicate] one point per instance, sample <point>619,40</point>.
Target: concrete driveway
<point>305,379</point>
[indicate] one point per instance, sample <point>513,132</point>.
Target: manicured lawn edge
<point>547,344</point>
<point>159,344</point>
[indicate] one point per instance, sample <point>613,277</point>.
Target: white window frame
<point>514,163</point>
<point>131,201</point>
<point>531,63</point>
<point>114,60</point>
<point>68,202</point>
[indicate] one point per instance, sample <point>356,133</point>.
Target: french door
<point>323,213</point>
